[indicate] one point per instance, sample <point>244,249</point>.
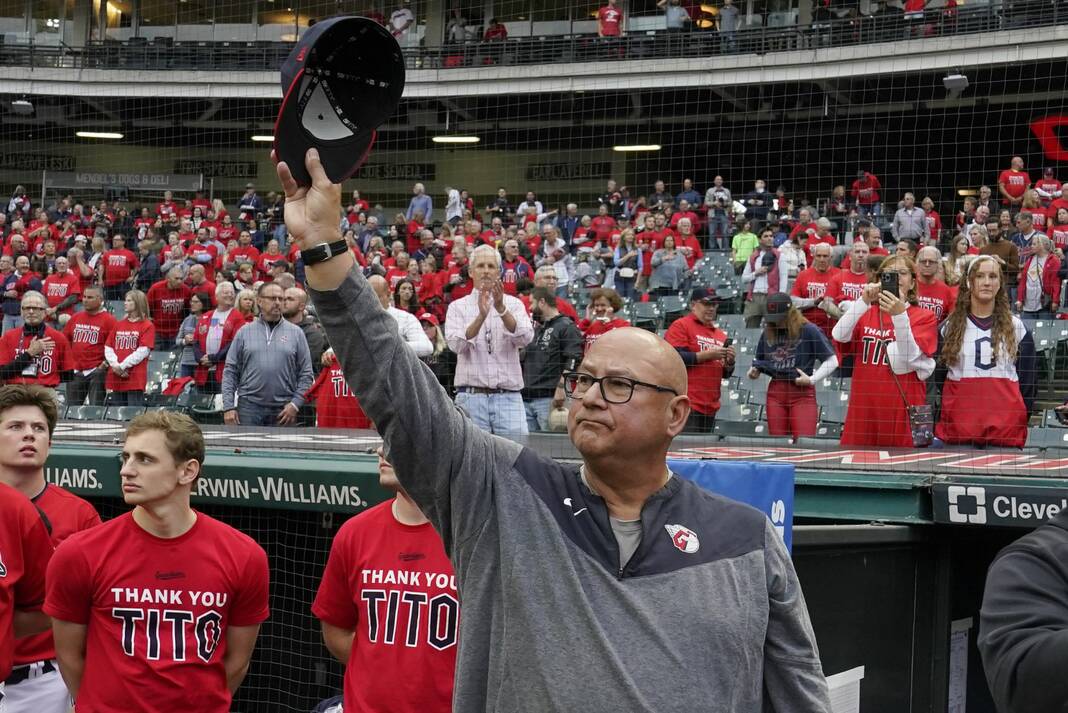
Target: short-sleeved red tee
<point>157,611</point>
<point>611,19</point>
<point>126,338</point>
<point>1015,183</point>
<point>846,286</point>
<point>168,307</point>
<point>811,284</point>
<point>704,383</point>
<point>937,297</point>
<point>87,334</point>
<point>24,551</point>
<point>59,287</point>
<point>118,266</point>
<point>335,405</point>
<point>393,585</point>
<point>67,514</point>
<point>44,369</point>
<point>197,251</point>
<point>593,329</point>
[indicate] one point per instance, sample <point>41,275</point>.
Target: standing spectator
<point>400,23</point>
<point>810,288</point>
<point>268,367</point>
<point>168,302</point>
<point>910,221</point>
<point>555,348</point>
<point>676,18</point>
<point>295,311</point>
<point>670,270</point>
<point>1038,290</point>
<point>609,22</point>
<point>956,261</point>
<point>893,342</point>
<point>568,222</point>
<point>1048,187</point>
<point>821,236</point>
<point>806,225</point>
<point>501,207</point>
<point>601,315</point>
<point>629,262</point>
<point>148,271</point>
<point>874,237</point>
<point>496,31</point>
<point>688,194</point>
<point>88,332</point>
<point>410,672</point>
<point>766,273</point>
<point>442,361</point>
<point>990,357</point>
<point>513,267</point>
<point>1025,235</point>
<point>998,244</point>
<point>199,303</point>
<point>907,248</point>
<point>932,293</point>
<point>420,203</point>
<point>454,209</point>
<point>1013,183</point>
<point>530,203</point>
<point>838,211</point>
<point>545,276</point>
<point>743,244</point>
<point>720,205</point>
<point>659,200</point>
<point>554,253</point>
<point>757,204</point>
<point>787,352</point>
<point>687,244</point>
<point>729,23</point>
<point>63,290</point>
<point>408,325</point>
<point>117,268</point>
<point>215,333</point>
<point>16,284</point>
<point>985,200</point>
<point>702,346</point>
<point>486,330</point>
<point>28,418</point>
<point>126,351</point>
<point>865,192</point>
<point>934,222</point>
<point>1039,216</point>
<point>35,353</point>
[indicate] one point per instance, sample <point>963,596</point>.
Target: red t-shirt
<point>336,406</point>
<point>118,266</point>
<point>592,329</point>
<point>165,208</point>
<point>511,272</point>
<point>934,224</point>
<point>67,514</point>
<point>694,253</point>
<point>44,369</point>
<point>246,253</point>
<point>846,286</point>
<point>26,549</point>
<point>1059,235</point>
<point>393,276</point>
<point>168,307</point>
<point>195,252</point>
<point>938,297</point>
<point>809,228</point>
<point>657,238</point>
<point>566,308</point>
<point>157,611</point>
<point>1015,183</point>
<point>815,240</point>
<point>226,233</point>
<point>866,190</point>
<point>812,284</point>
<point>264,264</point>
<point>611,20</point>
<point>704,387</point>
<point>601,227</point>
<point>57,288</point>
<point>87,334</point>
<point>876,415</point>
<point>1049,185</point>
<point>126,338</point>
<point>394,586</point>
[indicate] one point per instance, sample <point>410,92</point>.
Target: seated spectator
<point>601,316</point>
<point>185,340</point>
<point>893,342</point>
<point>126,351</point>
<point>703,348</point>
<point>35,353</point>
<point>63,290</point>
<point>246,304</point>
<point>1038,292</point>
<point>787,352</point>
<point>168,302</point>
<point>982,324</point>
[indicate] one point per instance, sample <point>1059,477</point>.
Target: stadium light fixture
<point>98,135</point>
<point>637,147</point>
<point>265,138</point>
<point>455,139</point>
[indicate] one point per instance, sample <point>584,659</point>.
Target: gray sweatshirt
<point>707,615</point>
<point>267,368</point>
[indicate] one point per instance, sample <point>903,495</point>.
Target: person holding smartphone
<point>893,341</point>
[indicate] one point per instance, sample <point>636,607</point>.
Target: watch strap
<point>323,252</point>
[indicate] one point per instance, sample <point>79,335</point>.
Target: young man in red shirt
<point>168,303</point>
<point>88,332</point>
<point>932,293</point>
<point>62,289</point>
<point>204,253</point>
<point>28,416</point>
<point>1013,183</point>
<point>389,609</point>
<point>335,406</point>
<point>34,353</point>
<point>117,266</point>
<point>158,609</point>
<point>810,288</point>
<point>609,20</point>
<point>865,192</point>
<point>703,348</point>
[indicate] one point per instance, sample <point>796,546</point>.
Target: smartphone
<point>890,283</point>
<point>728,342</point>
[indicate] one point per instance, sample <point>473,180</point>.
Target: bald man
<point>408,325</point>
<point>622,584</point>
<point>931,290</point>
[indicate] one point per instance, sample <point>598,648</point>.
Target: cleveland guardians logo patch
<point>684,539</point>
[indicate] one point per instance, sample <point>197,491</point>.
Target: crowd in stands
<point>487,296</point>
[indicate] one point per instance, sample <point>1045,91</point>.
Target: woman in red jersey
<point>127,350</point>
<point>600,315</point>
<point>893,342</point>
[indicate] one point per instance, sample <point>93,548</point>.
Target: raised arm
<point>443,461</point>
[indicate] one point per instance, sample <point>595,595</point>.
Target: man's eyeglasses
<point>614,389</point>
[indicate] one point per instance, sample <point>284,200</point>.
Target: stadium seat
<point>769,441</point>
<point>1047,438</point>
<point>1049,420</point>
<point>831,397</point>
<point>85,413</point>
<point>673,307</point>
<point>207,408</point>
<point>758,390</point>
<point>735,411</point>
<point>833,412</point>
<point>646,316</point>
<point>753,429</point>
<point>122,413</point>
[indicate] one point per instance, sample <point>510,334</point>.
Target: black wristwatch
<point>323,252</point>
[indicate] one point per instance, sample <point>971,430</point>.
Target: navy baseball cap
<point>342,81</point>
<point>700,294</point>
<point>778,306</point>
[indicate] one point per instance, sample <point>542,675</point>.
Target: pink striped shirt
<point>491,359</point>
